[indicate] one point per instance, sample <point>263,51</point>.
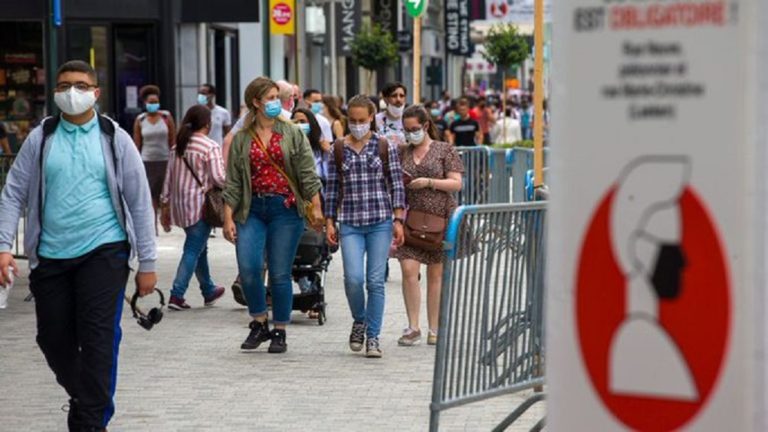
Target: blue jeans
<point>272,226</point>
<point>364,251</point>
<point>194,259</point>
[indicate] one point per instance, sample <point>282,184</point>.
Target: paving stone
<point>188,373</point>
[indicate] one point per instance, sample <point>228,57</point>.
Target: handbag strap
<point>263,147</point>
<point>194,174</point>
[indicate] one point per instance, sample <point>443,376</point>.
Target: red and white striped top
<point>181,190</point>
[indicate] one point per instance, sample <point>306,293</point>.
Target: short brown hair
<point>78,66</point>
<point>149,90</point>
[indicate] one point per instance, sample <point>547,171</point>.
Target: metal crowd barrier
<point>477,175</point>
<point>495,175</point>
<point>491,337</point>
<point>5,165</point>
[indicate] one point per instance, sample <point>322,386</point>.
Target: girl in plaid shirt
<point>362,194</point>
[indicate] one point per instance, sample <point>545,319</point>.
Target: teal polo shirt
<point>78,215</point>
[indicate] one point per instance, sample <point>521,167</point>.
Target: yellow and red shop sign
<point>282,17</point>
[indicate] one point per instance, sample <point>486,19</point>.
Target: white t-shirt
<point>219,118</point>
<point>325,127</point>
<point>238,125</point>
<point>513,131</point>
<point>391,129</point>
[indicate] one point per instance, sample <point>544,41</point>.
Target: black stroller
<point>310,267</point>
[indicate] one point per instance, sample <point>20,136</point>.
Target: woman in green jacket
<point>270,178</point>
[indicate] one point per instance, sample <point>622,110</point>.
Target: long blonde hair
<point>257,89</point>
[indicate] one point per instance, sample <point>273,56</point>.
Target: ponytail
<point>197,118</point>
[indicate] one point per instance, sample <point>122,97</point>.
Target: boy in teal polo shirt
<point>89,211</point>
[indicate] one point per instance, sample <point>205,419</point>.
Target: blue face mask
<point>153,107</point>
<point>202,99</point>
<point>304,128</point>
<point>435,112</point>
<point>317,107</point>
<point>273,108</point>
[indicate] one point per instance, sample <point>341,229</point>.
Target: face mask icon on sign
<point>647,228</point>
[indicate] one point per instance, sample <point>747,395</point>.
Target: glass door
<point>134,68</point>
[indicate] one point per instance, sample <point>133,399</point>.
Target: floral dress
<point>441,158</point>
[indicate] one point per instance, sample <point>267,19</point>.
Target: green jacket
<point>300,167</point>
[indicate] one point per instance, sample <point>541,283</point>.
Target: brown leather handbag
<point>424,230</point>
<point>213,203</point>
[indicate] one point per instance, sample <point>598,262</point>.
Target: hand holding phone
<point>407,177</point>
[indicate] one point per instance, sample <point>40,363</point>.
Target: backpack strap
<point>108,127</point>
<point>384,156</point>
<point>338,159</point>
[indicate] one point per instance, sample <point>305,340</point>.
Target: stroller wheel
<point>321,318</point>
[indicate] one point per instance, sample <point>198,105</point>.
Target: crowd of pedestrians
<point>356,171</point>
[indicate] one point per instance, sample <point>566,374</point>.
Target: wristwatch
<point>399,219</point>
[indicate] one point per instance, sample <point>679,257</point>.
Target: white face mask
<point>74,102</point>
<point>415,138</point>
<point>359,130</point>
<point>395,111</point>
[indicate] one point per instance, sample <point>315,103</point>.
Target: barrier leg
<point>519,411</point>
<point>434,419</point>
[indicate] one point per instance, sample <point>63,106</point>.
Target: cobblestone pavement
<point>188,373</point>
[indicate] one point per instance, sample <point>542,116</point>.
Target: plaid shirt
<point>367,199</point>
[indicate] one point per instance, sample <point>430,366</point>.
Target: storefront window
<point>22,79</point>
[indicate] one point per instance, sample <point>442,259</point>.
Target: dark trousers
<point>79,303</point>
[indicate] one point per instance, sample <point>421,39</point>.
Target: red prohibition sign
<point>695,318</point>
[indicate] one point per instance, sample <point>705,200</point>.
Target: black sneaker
<point>237,292</point>
<point>357,336</point>
<point>278,345</point>
<point>259,334</point>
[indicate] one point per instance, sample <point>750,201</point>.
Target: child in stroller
<point>310,267</point>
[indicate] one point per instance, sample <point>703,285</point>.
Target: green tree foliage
<point>373,48</point>
<point>505,47</point>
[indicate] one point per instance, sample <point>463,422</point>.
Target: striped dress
<point>180,190</point>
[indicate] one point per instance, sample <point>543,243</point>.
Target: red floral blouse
<point>265,178</point>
